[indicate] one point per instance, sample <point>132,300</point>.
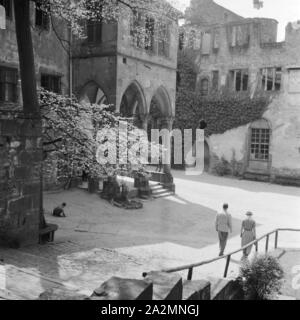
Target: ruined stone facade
<point>242,57</point>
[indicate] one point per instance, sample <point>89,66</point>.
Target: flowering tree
<point>77,135</point>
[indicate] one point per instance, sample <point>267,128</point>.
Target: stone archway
<point>160,117</point>
<point>91,93</point>
<point>133,104</point>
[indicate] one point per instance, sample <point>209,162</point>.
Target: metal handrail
<point>255,242</point>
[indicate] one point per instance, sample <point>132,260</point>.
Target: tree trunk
<point>27,72</point>
<point>26,57</point>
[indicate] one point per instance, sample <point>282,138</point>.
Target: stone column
<point>167,123</point>
<point>144,118</point>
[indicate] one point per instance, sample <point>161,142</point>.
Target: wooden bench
<point>47,234</point>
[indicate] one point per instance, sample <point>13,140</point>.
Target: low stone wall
<point>20,179</point>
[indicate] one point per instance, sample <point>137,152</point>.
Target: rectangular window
<point>215,80</point>
<point>51,83</point>
<point>240,79</point>
<point>206,43</point>
<point>271,79</point>
<point>216,39</point>
<point>204,87</point>
<point>8,84</point>
<point>7,4</point>
<point>163,41</point>
<point>94,32</point>
<point>137,29</point>
<point>240,35</point>
<point>149,33</point>
<point>42,18</point>
<point>260,144</point>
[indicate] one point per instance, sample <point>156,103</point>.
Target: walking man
<point>223,227</point>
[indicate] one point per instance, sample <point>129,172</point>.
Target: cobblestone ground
<point>97,241</point>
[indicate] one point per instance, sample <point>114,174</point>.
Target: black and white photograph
<point>149,150</point>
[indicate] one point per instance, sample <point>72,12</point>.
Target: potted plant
<point>261,278</point>
<point>141,179</point>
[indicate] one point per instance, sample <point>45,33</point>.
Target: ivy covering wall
<point>221,112</point>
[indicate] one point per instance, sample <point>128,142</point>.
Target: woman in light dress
<point>248,233</point>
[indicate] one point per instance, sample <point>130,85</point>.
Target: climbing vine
<point>221,113</point>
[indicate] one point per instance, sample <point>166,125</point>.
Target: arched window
<point>260,134</point>
<point>204,87</point>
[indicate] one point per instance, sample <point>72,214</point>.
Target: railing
<point>191,267</point>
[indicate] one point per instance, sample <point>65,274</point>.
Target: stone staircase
<point>155,286</point>
<point>159,191</point>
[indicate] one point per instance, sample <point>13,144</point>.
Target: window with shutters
<point>7,4</point>
<point>8,84</point>
<point>51,83</point>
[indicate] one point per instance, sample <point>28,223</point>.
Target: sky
<point>283,11</point>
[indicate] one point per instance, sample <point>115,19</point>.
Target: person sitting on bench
<point>59,211</point>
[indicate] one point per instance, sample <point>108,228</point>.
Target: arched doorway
<point>133,103</point>
<point>160,117</point>
<point>92,94</point>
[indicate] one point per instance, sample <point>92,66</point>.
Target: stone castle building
<point>112,64</point>
<point>239,56</point>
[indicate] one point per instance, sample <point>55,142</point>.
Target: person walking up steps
<point>223,227</point>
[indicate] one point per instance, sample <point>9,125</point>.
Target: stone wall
<point>50,55</point>
<point>20,184</point>
<point>209,12</point>
<point>283,113</point>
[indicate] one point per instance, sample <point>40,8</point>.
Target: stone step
<point>196,290</point>
<point>123,289</point>
<point>224,289</point>
<point>166,286</point>
<point>163,195</point>
<point>160,190</point>
<point>158,187</point>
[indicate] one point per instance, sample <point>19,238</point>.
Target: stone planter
<point>93,185</point>
<point>141,182</point>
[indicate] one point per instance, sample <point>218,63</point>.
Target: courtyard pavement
<point>97,241</point>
